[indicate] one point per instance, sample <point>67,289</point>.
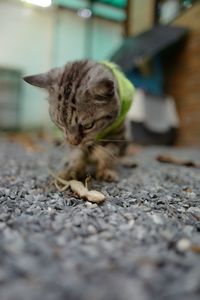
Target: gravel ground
<point>143,243</point>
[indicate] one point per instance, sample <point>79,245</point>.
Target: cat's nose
<point>74,140</point>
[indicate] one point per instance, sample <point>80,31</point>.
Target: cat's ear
<point>45,80</point>
<point>105,88</point>
<point>42,80</point>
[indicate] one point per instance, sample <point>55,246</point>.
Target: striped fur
<point>83,100</point>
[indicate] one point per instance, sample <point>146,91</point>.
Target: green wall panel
<point>100,8</point>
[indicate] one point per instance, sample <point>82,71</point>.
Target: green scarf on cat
<point>126,92</point>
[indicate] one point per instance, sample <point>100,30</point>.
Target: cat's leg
<point>106,159</point>
<point>106,155</point>
<point>75,168</point>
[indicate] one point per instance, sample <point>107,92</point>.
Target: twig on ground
<point>175,161</point>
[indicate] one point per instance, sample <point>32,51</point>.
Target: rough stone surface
<point>143,243</point>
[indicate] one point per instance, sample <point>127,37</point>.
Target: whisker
<point>88,148</point>
<point>106,150</point>
<point>117,141</point>
<point>59,145</point>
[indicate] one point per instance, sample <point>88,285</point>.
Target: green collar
<point>126,92</point>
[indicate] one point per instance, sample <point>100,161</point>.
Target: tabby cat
<point>88,101</point>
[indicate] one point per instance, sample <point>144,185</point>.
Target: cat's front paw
<point>72,173</point>
<point>107,175</point>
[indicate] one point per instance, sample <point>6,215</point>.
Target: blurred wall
<point>35,39</point>
<point>26,43</point>
<point>183,78</point>
<point>68,37</point>
<point>106,37</point>
<point>140,16</point>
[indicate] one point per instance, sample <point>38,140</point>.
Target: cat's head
<point>83,99</point>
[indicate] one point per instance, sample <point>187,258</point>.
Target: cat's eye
<point>88,126</point>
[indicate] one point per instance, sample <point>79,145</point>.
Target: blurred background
<point>155,42</point>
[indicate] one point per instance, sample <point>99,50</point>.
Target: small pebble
<point>183,245</point>
<point>157,219</point>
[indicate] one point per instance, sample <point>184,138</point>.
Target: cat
<point>88,101</point>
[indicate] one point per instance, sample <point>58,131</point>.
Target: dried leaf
<point>195,249</point>
<point>180,162</point>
